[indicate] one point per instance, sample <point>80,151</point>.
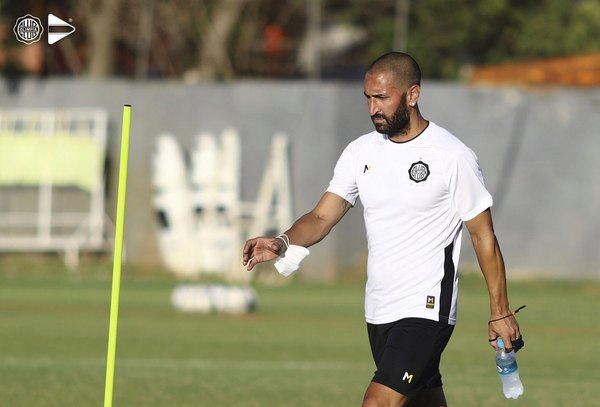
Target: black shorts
<point>407,353</point>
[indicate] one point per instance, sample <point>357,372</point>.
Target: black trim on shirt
<point>447,287</point>
<point>408,141</point>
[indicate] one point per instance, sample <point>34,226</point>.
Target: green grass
<point>305,346</point>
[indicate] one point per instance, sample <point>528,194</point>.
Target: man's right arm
<point>309,229</point>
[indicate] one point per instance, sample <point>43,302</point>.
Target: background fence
<point>538,149</point>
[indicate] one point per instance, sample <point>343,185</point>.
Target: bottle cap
<point>500,343</point>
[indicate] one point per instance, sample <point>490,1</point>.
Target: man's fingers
<point>518,343</point>
<point>248,251</point>
<point>259,250</point>
<point>509,346</point>
<point>248,246</point>
<point>253,261</point>
<point>508,329</point>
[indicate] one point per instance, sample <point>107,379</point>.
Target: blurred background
<point>212,40</point>
<point>499,74</point>
<point>516,80</point>
<point>240,109</point>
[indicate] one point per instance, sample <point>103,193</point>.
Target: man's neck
<point>418,125</point>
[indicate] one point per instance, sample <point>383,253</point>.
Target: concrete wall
<point>539,151</point>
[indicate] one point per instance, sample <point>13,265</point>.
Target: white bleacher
<point>52,184</point>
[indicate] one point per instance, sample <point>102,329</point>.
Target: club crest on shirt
<point>418,171</point>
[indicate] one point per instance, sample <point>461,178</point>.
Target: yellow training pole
<point>117,259</point>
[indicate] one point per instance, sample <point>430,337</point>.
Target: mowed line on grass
<point>178,364</point>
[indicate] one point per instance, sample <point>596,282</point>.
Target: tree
<point>222,39</point>
<point>448,35</point>
<point>214,60</point>
<point>100,22</point>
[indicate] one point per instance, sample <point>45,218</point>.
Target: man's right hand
<point>261,249</point>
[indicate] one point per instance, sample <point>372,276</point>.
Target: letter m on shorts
<point>407,376</point>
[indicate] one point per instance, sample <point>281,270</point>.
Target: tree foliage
<point>449,35</point>
<point>224,39</point>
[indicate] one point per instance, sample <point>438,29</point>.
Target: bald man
<point>418,185</point>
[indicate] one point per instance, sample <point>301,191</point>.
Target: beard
<point>399,123</point>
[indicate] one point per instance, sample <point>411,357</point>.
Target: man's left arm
<point>502,321</point>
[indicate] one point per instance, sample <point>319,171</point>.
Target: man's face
<point>387,104</point>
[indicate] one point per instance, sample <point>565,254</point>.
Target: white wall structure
<point>216,179</point>
<point>52,191</point>
<point>174,207</point>
<point>202,220</point>
<point>538,148</point>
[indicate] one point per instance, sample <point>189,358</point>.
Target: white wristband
<point>291,260</point>
<point>285,238</point>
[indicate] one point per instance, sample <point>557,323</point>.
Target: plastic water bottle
<point>509,372</point>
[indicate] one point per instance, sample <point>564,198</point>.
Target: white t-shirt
<point>415,195</point>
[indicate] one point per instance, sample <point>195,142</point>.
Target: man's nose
<point>373,108</point>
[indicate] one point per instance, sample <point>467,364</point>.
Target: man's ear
<point>413,94</point>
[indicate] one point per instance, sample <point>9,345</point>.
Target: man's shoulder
<point>369,137</point>
<point>446,141</point>
<point>365,140</point>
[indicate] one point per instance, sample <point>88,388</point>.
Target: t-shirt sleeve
<point>467,187</point>
<point>343,182</point>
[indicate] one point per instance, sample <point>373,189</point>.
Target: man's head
<point>392,88</point>
<point>403,67</point>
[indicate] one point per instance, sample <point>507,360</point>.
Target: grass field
<point>305,346</point>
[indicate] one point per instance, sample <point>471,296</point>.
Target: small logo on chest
<point>418,171</point>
